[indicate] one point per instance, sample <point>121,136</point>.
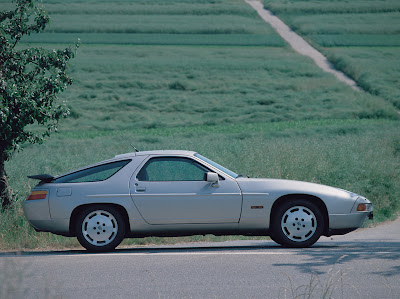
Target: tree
<point>30,79</point>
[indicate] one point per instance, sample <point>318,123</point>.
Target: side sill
<point>202,233</point>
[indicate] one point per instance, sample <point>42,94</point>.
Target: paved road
<point>362,264</point>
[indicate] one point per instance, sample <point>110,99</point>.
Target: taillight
<point>37,195</point>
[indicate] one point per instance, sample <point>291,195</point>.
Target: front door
<point>173,190</point>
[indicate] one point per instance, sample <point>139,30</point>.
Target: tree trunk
<point>5,191</point>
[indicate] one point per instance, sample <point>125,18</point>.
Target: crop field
<point>360,37</point>
<point>212,77</point>
<point>130,87</point>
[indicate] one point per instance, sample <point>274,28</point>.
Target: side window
<point>172,169</point>
<point>94,174</point>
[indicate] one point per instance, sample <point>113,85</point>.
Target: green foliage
<point>180,39</point>
<point>130,87</point>
<point>348,23</point>
<point>158,23</point>
<point>328,6</point>
<point>30,79</point>
<point>134,8</point>
<point>372,25</point>
<point>182,24</point>
<point>377,70</point>
<point>356,40</point>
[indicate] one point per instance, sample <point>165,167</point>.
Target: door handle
<point>139,188</point>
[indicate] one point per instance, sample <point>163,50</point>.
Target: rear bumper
<point>59,226</point>
<point>38,215</point>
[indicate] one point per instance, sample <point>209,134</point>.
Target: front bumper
<point>361,210</point>
<point>344,221</point>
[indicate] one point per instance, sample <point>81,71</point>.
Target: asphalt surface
<point>362,264</point>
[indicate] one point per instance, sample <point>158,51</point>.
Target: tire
<point>272,237</point>
<point>297,223</point>
<point>100,228</point>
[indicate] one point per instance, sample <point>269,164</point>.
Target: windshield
<point>222,168</point>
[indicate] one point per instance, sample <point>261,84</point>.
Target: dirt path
<point>299,44</point>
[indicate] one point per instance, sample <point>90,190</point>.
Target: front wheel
<point>297,223</point>
<point>100,228</point>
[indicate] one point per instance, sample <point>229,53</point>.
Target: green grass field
<point>139,87</point>
<point>360,37</point>
<point>358,155</point>
<point>212,77</point>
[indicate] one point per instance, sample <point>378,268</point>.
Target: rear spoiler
<point>45,178</point>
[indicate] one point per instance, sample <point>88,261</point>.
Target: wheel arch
<point>314,199</point>
<point>78,209</point>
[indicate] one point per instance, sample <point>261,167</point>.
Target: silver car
<point>181,193</point>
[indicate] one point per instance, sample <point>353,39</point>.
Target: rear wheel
<point>100,228</point>
<point>297,223</point>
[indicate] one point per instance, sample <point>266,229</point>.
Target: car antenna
<point>136,150</point>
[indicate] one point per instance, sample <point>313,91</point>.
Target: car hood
<point>278,187</point>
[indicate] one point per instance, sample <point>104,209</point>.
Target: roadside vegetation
<point>188,75</point>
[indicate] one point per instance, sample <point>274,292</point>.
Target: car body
<point>178,193</point>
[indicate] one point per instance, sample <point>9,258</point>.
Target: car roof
<point>155,153</point>
<point>131,155</point>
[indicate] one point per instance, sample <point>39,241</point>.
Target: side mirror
<point>213,178</point>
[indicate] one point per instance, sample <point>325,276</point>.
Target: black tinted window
<point>172,169</point>
<point>93,174</point>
